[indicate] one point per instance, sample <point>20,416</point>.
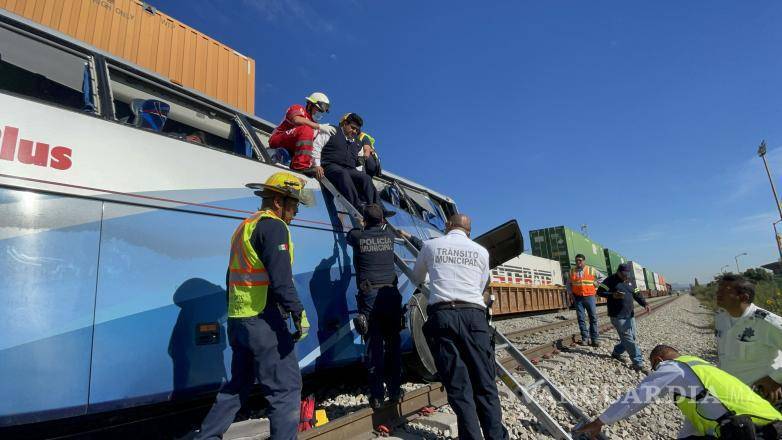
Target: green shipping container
<point>613,260</point>
<point>563,244</point>
<point>649,277</point>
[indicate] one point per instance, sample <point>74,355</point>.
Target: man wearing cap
<point>261,295</point>
<point>379,305</point>
<point>338,162</point>
<point>620,295</point>
<point>457,329</point>
<point>298,128</point>
<point>582,283</point>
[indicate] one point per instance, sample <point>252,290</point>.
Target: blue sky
<point>640,120</point>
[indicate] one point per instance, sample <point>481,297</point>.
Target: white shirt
<point>750,346</point>
<point>458,268</point>
<point>669,377</point>
<point>321,137</point>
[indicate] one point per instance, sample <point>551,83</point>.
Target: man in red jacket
<point>297,130</point>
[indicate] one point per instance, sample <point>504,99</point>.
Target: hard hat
<point>283,183</point>
<point>320,100</point>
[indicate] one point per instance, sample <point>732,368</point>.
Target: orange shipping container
<point>141,34</point>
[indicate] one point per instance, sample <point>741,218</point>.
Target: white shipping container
<point>637,276</point>
<point>528,269</point>
<point>658,281</point>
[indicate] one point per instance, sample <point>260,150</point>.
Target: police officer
<point>749,338</point>
<point>459,334</point>
<point>713,402</point>
<point>260,296</point>
<point>379,305</point>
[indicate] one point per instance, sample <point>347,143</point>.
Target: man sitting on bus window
<point>297,130</point>
<point>338,162</point>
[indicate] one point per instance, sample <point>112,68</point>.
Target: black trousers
<point>383,309</point>
<point>356,186</point>
<point>462,347</point>
<point>263,351</point>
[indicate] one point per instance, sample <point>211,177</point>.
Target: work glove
<point>329,129</point>
<point>302,325</point>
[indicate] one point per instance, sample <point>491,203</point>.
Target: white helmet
<point>320,100</point>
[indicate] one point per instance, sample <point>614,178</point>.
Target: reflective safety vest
<point>248,282</point>
<point>584,284</point>
<point>732,393</point>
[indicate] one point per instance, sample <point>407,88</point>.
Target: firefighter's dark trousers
<point>383,308</point>
<point>262,349</point>
<point>461,343</point>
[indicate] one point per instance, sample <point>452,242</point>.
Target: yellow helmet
<point>283,183</point>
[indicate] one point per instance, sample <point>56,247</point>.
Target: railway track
<point>361,424</point>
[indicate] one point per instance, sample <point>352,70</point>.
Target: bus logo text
<point>31,152</point>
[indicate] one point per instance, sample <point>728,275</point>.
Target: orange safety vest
<point>583,285</point>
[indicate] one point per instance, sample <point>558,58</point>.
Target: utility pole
<point>762,154</point>
<point>779,239</point>
<point>738,271</point>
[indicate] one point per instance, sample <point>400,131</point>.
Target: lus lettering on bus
<point>31,152</point>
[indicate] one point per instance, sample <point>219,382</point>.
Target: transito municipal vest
<point>734,395</point>
<point>583,285</point>
<point>248,282</point>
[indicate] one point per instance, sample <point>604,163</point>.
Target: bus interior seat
<point>149,113</point>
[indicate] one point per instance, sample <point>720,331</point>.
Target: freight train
<point>535,283</point>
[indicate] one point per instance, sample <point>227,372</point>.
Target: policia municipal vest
<point>248,282</point>
<point>583,285</point>
<point>733,394</point>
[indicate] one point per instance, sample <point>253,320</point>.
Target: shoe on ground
<point>640,369</point>
<point>595,344</point>
<point>617,357</point>
<point>582,342</point>
<point>375,403</point>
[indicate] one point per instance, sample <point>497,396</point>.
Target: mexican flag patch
<point>283,247</point>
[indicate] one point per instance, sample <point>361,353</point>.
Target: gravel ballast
<point>593,379</point>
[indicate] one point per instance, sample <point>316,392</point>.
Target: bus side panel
<point>162,274</point>
<point>324,279</point>
<point>48,265</point>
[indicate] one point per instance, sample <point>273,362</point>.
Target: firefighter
<point>714,403</point>
<point>379,305</point>
<point>298,128</point>
<point>369,158</point>
<point>261,295</point>
<point>457,329</point>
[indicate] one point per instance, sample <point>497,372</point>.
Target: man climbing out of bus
<point>457,329</point>
<point>714,403</point>
<point>298,128</point>
<point>339,160</point>
<point>379,305</point>
<point>261,295</point>
<point>620,295</point>
<point>582,284</point>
